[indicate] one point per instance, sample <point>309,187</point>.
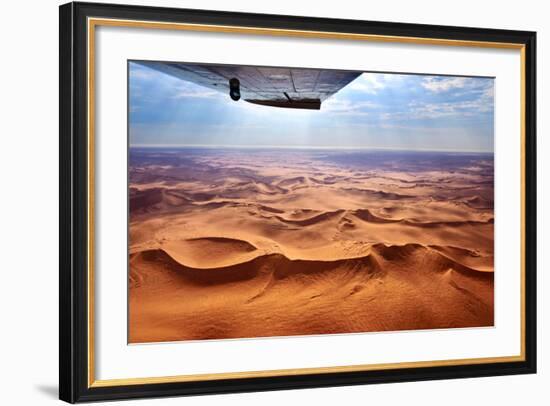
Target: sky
<point>390,111</point>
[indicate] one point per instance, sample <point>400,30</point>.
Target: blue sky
<point>374,111</point>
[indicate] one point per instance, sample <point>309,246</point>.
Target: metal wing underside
<point>300,88</point>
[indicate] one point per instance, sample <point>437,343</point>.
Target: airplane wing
<point>300,88</point>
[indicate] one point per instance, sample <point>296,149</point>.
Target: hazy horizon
<point>306,147</point>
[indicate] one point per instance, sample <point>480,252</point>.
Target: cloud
<point>188,92</point>
<point>152,86</point>
<point>372,83</point>
<point>437,110</point>
<point>444,84</point>
<point>348,107</point>
<point>489,92</point>
<point>139,73</point>
<point>431,111</point>
<point>448,97</point>
<point>460,86</point>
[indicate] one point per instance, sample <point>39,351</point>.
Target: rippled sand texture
<point>251,243</point>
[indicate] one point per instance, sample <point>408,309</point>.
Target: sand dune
<point>392,288</point>
<point>479,202</point>
<point>378,194</point>
<point>313,220</point>
<point>221,251</point>
<point>367,215</point>
<point>227,245</point>
<point>467,257</point>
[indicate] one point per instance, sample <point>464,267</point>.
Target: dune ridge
<point>437,257</point>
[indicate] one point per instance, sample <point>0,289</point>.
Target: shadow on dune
<point>407,257</point>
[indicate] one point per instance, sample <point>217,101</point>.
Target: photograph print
<point>277,201</point>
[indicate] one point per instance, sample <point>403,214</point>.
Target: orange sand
<point>276,244</point>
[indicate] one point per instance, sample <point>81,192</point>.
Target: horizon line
<point>247,146</point>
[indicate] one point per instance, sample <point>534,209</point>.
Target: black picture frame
<point>74,385</point>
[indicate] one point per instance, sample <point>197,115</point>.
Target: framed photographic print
<point>255,202</point>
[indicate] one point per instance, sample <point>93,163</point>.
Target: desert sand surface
<point>233,243</point>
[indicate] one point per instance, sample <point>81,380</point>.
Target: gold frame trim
<point>94,22</point>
